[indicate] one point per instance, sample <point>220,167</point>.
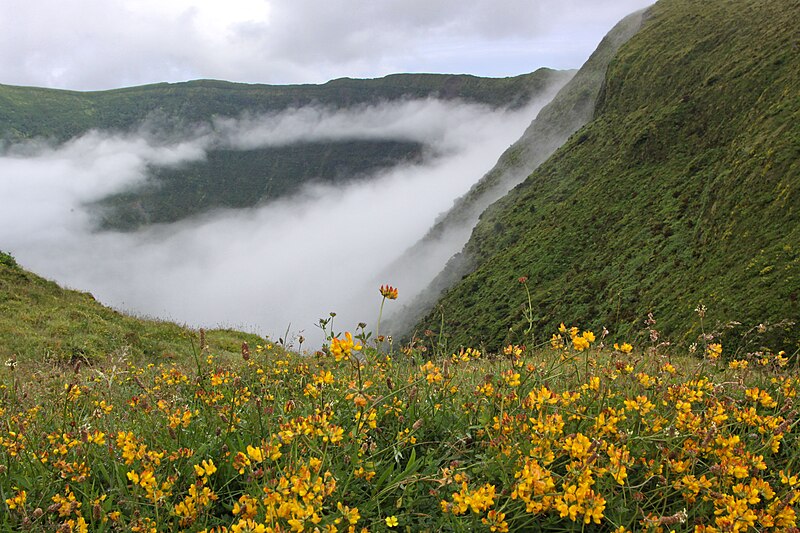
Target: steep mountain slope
<point>684,189</point>
<point>242,177</point>
<point>570,109</point>
<point>42,322</point>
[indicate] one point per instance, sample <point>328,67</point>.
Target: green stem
<point>378,327</point>
<point>529,316</point>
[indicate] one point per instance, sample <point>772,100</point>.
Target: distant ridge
<point>29,112</point>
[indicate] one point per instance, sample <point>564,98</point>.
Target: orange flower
<point>388,292</point>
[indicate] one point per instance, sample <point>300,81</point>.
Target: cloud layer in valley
<point>288,262</point>
<point>100,44</point>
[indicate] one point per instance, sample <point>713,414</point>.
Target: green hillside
<point>41,322</point>
<point>241,178</point>
<point>571,108</point>
<point>684,188</point>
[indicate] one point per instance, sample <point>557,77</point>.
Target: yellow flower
<point>578,446</point>
<point>511,378</point>
<point>240,462</point>
<point>103,407</point>
<point>391,521</point>
<point>18,501</point>
<point>496,521</point>
<point>351,515</point>
<point>714,351</point>
<point>324,378</point>
<point>580,343</point>
<point>73,391</point>
<point>96,437</point>
<point>255,454</point>
<point>248,526</point>
<point>343,348</point>
<point>247,507</point>
<point>478,500</point>
<point>205,468</point>
<point>556,342</point>
<point>624,347</point>
<point>513,349</point>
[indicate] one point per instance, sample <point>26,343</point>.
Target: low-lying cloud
<point>430,121</point>
<point>281,265</point>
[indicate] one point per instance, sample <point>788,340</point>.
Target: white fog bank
<point>282,265</point>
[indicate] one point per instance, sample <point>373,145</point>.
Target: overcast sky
<point>102,44</point>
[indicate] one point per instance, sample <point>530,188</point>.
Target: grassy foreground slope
<point>41,322</point>
<point>572,437</point>
<point>683,189</point>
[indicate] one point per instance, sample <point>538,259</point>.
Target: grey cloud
<point>429,121</point>
<point>97,44</point>
<point>94,44</point>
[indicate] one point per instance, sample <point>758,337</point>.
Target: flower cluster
<point>361,438</point>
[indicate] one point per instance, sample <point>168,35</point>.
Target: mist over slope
<point>570,109</point>
<point>684,189</point>
<point>281,265</point>
<point>288,134</point>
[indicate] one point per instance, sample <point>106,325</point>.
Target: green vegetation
<point>41,322</point>
<point>684,189</point>
<point>366,438</point>
<point>569,110</point>
<point>7,260</point>
<point>677,192</point>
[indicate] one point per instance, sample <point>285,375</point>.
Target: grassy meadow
<point>572,433</point>
<point>682,188</point>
